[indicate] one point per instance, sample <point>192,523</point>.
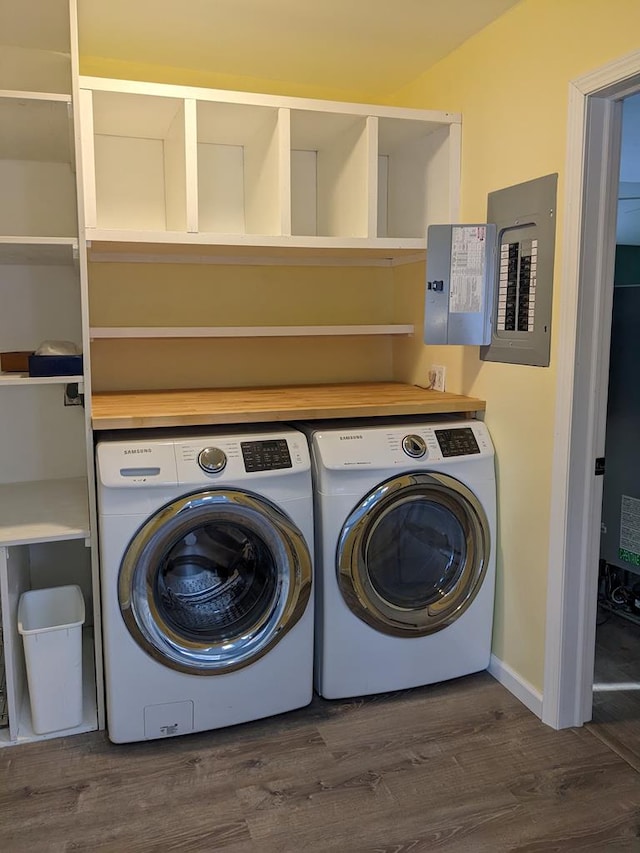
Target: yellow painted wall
<point>99,66</point>
<point>125,294</point>
<point>510,82</point>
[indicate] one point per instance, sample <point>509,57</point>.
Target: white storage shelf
<point>39,297</point>
<point>173,164</point>
<point>36,165</point>
<point>14,379</point>
<point>21,730</point>
<point>139,149</point>
<point>330,187</point>
<point>43,511</point>
<point>239,169</point>
<point>35,46</point>
<point>39,251</point>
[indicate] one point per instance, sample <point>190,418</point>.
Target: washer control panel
<point>267,455</point>
<point>459,441</point>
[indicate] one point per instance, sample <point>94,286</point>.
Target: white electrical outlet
<point>437,374</point>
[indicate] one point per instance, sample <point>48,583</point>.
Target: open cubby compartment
<point>30,70</point>
<point>414,176</point>
<point>42,439</point>
<point>37,167</point>
<point>240,181</point>
<point>40,566</point>
<point>39,302</point>
<point>139,151</point>
<point>35,46</point>
<point>330,174</point>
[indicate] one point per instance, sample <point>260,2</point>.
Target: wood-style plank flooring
<point>461,766</point>
<point>616,695</point>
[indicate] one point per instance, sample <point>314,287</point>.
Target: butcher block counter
<point>143,409</point>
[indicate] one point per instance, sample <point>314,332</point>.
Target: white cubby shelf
<point>44,511</point>
<point>179,165</point>
<point>37,165</point>
<point>35,46</point>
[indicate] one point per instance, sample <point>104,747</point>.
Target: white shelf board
<point>16,379</point>
<point>201,247</point>
<point>38,250</point>
<point>247,331</point>
<point>54,97</point>
<point>43,511</point>
<point>89,708</point>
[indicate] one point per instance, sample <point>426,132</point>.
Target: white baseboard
<point>515,684</point>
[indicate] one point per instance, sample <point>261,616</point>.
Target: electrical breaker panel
<point>491,284</point>
<point>460,275</point>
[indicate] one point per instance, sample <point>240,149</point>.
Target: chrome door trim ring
<point>163,529</point>
<point>354,583</point>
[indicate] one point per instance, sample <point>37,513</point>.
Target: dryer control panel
<point>414,445</point>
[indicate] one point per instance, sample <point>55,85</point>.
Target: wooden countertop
<point>139,409</point>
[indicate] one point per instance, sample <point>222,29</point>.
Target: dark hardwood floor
<point>461,766</point>
<point>616,695</point>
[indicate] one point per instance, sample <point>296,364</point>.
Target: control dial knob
<point>414,445</point>
<point>212,460</point>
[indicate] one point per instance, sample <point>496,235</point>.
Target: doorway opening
<point>591,201</point>
<point>616,687</point>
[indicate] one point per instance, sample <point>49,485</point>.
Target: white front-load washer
<point>405,554</point>
<point>206,575</point>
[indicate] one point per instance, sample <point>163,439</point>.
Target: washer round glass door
<point>212,581</point>
<point>413,554</point>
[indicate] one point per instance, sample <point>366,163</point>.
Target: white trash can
<point>50,621</point>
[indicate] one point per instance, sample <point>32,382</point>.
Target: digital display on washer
<point>265,455</point>
<point>457,442</point>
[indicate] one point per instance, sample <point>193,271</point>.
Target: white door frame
<point>592,170</point>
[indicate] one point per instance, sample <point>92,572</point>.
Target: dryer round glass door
<point>413,554</point>
<point>214,580</point>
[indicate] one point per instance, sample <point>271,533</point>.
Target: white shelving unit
<point>191,175</point>
<point>45,448</point>
<point>179,165</point>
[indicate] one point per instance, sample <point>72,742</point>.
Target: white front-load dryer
<point>206,577</point>
<point>405,554</point>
